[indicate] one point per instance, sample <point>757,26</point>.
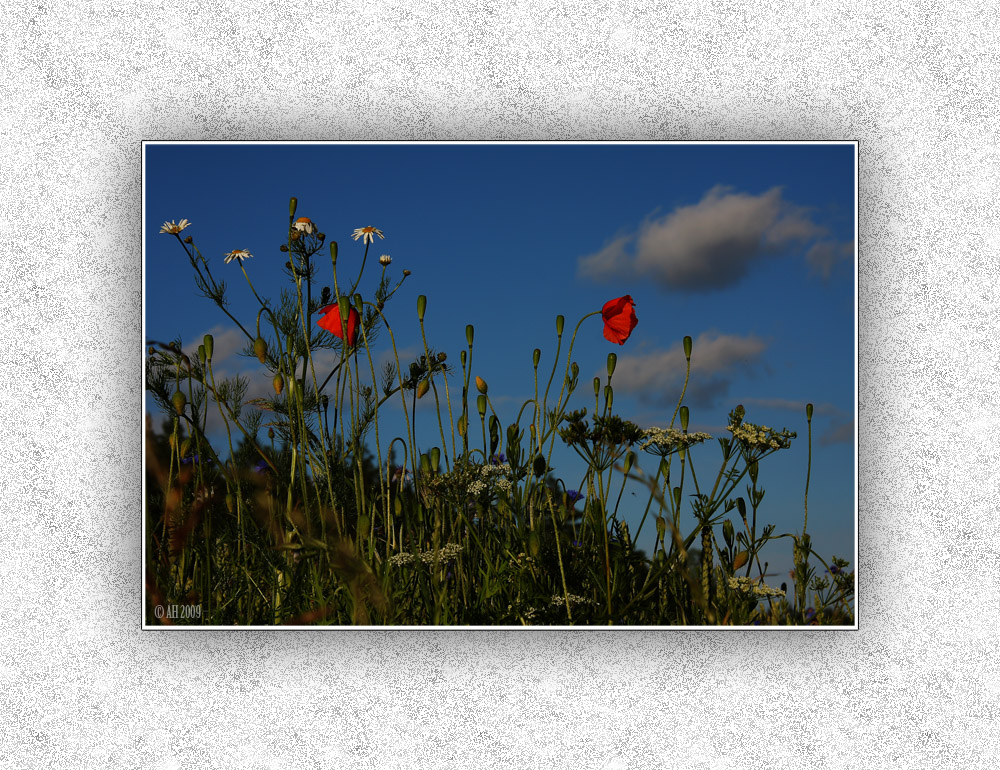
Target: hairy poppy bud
<point>685,415</point>
<point>359,303</point>
<point>201,354</point>
<point>469,334</point>
<point>333,252</point>
<point>442,356</point>
<point>538,465</point>
<point>560,321</point>
<point>742,506</point>
<point>185,447</point>
<point>435,458</point>
<point>481,405</point>
<point>612,362</point>
<point>629,460</point>
<point>728,533</point>
<point>575,370</point>
<point>597,385</point>
<point>279,383</point>
<point>687,348</point>
<point>422,388</point>
<point>481,385</point>
<point>260,349</point>
<point>421,306</point>
<point>536,357</point>
<point>462,429</point>
<point>809,411</point>
<point>534,545</point>
<point>209,346</point>
<point>179,400</point>
<point>462,358</point>
<point>292,205</point>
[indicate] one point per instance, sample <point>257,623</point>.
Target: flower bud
<point>209,346</point>
<point>321,236</point>
<point>481,405</point>
<point>185,447</point>
<point>201,354</point>
<point>333,252</point>
<point>575,370</point>
<point>294,235</point>
<point>481,385</point>
<point>385,260</point>
<point>629,460</point>
<point>283,247</point>
<point>536,357</point>
<point>421,306</point>
<point>742,506</point>
<point>740,559</point>
<point>270,433</point>
<point>260,349</point>
<point>809,411</point>
<point>469,334</point>
<point>462,426</point>
<point>189,239</point>
<point>685,416</point>
<point>230,503</point>
<point>435,458</point>
<point>422,388</point>
<point>179,400</point>
<point>752,468</point>
<point>462,358</point>
<point>344,305</point>
<point>406,273</point>
<point>292,205</point>
<point>442,356</point>
<point>597,385</point>
<point>279,383</point>
<point>687,348</point>
<point>534,545</point>
<point>538,465</point>
<point>728,533</point>
<point>152,350</point>
<point>560,321</point>
<point>612,362</point>
<point>677,497</point>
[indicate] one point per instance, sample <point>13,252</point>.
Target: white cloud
<point>658,377</point>
<point>824,256</point>
<point>705,246</point>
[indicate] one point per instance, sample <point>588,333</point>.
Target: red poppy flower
<point>330,320</point>
<point>619,319</point>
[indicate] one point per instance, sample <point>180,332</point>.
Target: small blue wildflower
<point>835,570</point>
<point>572,496</point>
<point>577,544</point>
<point>810,613</point>
<point>260,467</point>
<point>195,459</point>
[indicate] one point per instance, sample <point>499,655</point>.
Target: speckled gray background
<point>81,686</point>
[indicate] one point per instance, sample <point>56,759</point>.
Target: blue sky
<point>749,249</point>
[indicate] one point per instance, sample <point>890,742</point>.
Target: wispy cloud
<point>658,377</point>
<point>795,405</point>
<point>705,246</point>
<point>824,256</point>
<point>838,433</point>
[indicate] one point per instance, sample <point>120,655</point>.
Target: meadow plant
<point>294,520</point>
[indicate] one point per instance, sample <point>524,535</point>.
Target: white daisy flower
<point>304,225</point>
<point>239,254</point>
<point>367,233</point>
<point>385,260</point>
<point>173,228</point>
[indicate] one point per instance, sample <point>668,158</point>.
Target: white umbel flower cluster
<point>447,552</point>
<point>491,477</point>
<point>761,436</point>
<point>665,441</point>
<point>558,600</point>
<point>750,586</point>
